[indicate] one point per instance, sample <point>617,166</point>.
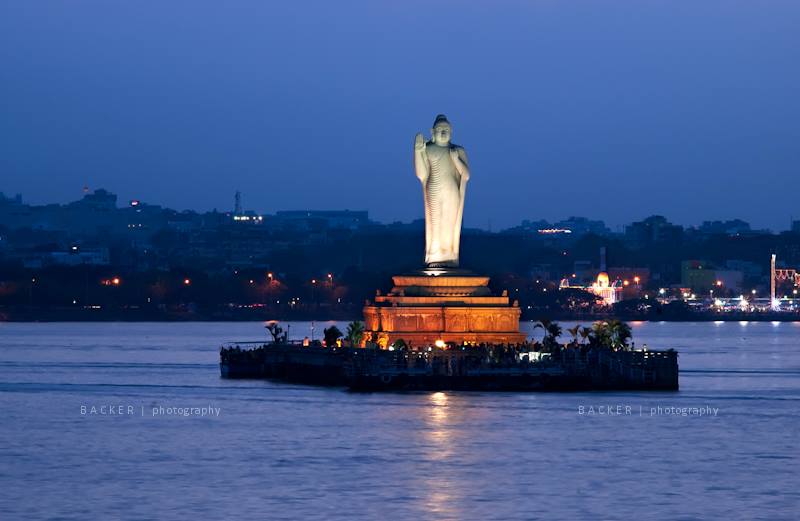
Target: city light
<point>116,281</point>
<point>186,282</point>
<point>636,279</point>
<point>439,343</point>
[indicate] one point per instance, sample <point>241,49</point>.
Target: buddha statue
<point>441,167</point>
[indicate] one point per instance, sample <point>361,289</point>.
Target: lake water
<point>278,451</point>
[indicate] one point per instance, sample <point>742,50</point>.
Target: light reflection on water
<point>286,452</point>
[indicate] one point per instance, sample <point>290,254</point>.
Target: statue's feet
<point>445,264</point>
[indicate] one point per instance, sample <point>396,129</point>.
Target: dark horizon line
<point>18,198</point>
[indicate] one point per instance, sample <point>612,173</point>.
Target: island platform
<point>468,368</point>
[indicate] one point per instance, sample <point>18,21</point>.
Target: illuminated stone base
<point>442,304</point>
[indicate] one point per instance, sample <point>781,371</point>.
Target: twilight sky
<point>608,109</point>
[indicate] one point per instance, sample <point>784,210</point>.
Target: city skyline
<point>581,220</point>
<point>610,111</point>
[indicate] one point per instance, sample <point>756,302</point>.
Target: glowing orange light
<point>439,343</point>
<point>636,279</point>
<point>187,281</point>
<point>115,281</point>
<point>626,282</point>
<point>719,283</point>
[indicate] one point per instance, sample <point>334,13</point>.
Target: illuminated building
<point>611,293</point>
<point>433,306</point>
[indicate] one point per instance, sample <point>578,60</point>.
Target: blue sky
<point>612,110</point>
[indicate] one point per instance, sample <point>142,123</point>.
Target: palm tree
<point>585,332</point>
<point>574,332</point>
<point>544,324</point>
<point>332,334</point>
<point>600,336</point>
<point>554,331</point>
<point>276,331</point>
<point>620,334</point>
<point>551,333</point>
<point>355,332</point>
<point>399,345</point>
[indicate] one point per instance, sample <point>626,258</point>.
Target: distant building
<point>5,200</point>
<point>700,276</point>
<point>572,227</point>
<point>748,268</point>
<point>81,256</point>
<point>100,199</point>
<point>654,229</point>
<point>579,226</point>
<point>75,256</point>
<point>312,219</point>
<point>602,287</point>
<point>732,227</point>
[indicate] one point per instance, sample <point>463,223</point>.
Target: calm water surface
<point>280,451</point>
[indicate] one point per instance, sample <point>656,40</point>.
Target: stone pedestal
<point>442,304</point>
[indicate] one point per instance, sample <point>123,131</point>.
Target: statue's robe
<point>444,204</point>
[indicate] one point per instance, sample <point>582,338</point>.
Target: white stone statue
<point>442,168</point>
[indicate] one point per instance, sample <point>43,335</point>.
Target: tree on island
<point>552,330</point>
<point>585,333</point>
<point>399,345</point>
<point>332,334</point>
<point>574,331</point>
<point>278,335</point>
<point>613,335</point>
<point>355,332</point>
<point>620,334</point>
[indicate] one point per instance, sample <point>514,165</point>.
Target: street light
<point>186,282</point>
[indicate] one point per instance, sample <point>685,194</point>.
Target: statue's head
<point>441,132</point>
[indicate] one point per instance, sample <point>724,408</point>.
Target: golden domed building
<point>611,293</point>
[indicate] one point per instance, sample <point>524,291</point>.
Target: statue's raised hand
<point>419,142</point>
